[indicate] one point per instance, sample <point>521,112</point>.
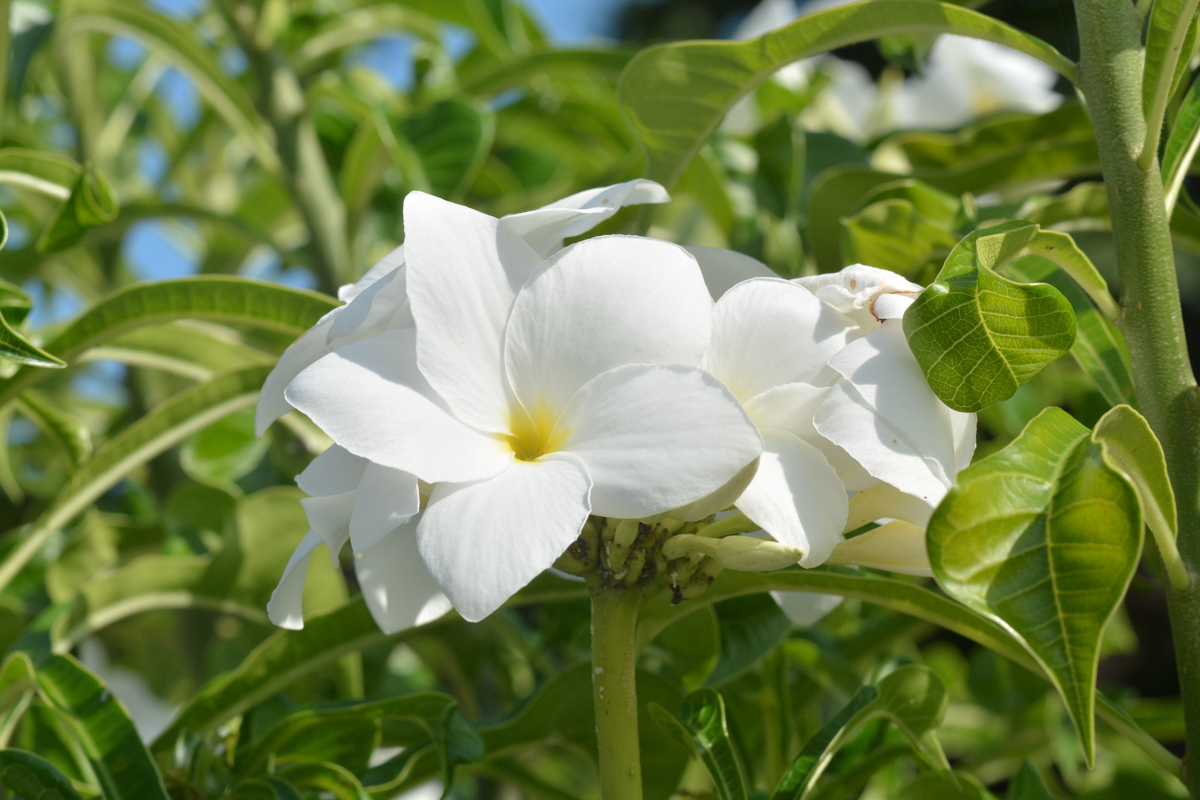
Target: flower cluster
<point>493,394</point>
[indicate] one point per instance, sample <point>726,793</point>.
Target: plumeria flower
<point>379,300</point>
<point>377,509</point>
<point>531,394</point>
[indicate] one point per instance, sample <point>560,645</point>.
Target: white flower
<point>532,394</point>
<point>379,301</point>
<point>377,508</point>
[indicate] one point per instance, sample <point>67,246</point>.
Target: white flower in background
<point>377,510</point>
<point>963,79</point>
<point>379,300</point>
<point>532,393</point>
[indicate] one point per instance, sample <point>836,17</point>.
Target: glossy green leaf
<point>701,727</point>
<point>69,432</point>
<point>174,41</point>
<point>237,580</point>
<point>1181,146</point>
<point>891,234</point>
<point>93,202</point>
<point>674,96</point>
<point>977,335</point>
<point>1169,26</point>
<point>911,697</point>
<point>121,762</point>
<point>34,778</point>
<point>15,347</point>
<point>558,64</point>
<point>1043,537</point>
<point>193,350</point>
<point>1027,785</point>
<point>229,301</point>
<point>1099,347</point>
<point>750,628</point>
<point>330,779</point>
<point>49,174</point>
<point>1131,446</point>
<point>165,426</point>
<point>450,140</point>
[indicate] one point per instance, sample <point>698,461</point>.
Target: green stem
<point>614,626</point>
<point>1110,75</point>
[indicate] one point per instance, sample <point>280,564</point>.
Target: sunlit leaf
<point>977,335</point>
<point>93,202</point>
<point>1181,145</point>
<point>701,727</point>
<point>675,95</point>
<point>1043,537</point>
<point>1166,34</point>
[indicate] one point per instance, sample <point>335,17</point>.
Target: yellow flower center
<point>534,433</point>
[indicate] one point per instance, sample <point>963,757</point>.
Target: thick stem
<point>1110,75</point>
<point>614,626</point>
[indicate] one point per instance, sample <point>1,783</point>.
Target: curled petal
<point>898,546</point>
<point>385,265</point>
<point>397,587</point>
<point>796,497</point>
<point>854,289</point>
<point>381,306</point>
<point>657,438</point>
<point>329,516</point>
<point>884,501</point>
<point>272,404</point>
<point>600,304</point>
<point>544,228</point>
<point>286,606</point>
<point>385,500</point>
<point>463,273</point>
<point>483,541</point>
<point>371,398</point>
<point>334,471</point>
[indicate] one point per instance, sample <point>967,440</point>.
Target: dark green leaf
<point>34,778</point>
<point>750,628</point>
<point>1043,537</point>
<point>701,726</point>
<point>891,234</point>
<point>264,789</point>
<point>331,779</point>
<point>674,96</point>
<point>450,139</point>
<point>122,765</point>
<point>1181,146</point>
<point>1027,785</point>
<point>69,432</point>
<point>936,787</point>
<point>692,646</point>
<point>978,336</point>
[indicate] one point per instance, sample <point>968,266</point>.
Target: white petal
<point>791,407</point>
<point>884,501</point>
<point>963,427</point>
<point>600,304</point>
<point>483,541</point>
<point>854,289</point>
<point>656,438</point>
<point>806,608</point>
<point>334,471</point>
<point>286,606</point>
<point>381,306</point>
<point>463,274</point>
<point>544,229</point>
<point>371,398</point>
<point>386,499</point>
<point>768,332</point>
<point>304,351</point>
<point>719,500</point>
<point>329,517</point>
<point>398,588</point>
<point>385,265</point>
<point>796,497</point>
<point>898,546</point>
<point>723,269</point>
<point>886,375</point>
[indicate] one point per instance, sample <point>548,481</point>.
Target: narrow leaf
<point>45,173</point>
<point>331,779</point>
<point>69,432</point>
<point>120,760</point>
<point>1043,537</point>
<point>977,335</point>
<point>16,347</point>
<point>33,777</point>
<point>93,202</point>
<point>1027,785</point>
<point>701,726</point>
<point>674,96</point>
<point>1181,146</point>
<point>1170,25</point>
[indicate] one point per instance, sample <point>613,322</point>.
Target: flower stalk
<point>614,692</point>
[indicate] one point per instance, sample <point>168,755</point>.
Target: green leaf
<point>701,727</point>
<point>559,64</point>
<point>977,335</point>
<point>237,580</point>
<point>750,628</point>
<point>224,451</point>
<point>911,697</point>
<point>122,765</point>
<point>34,778</point>
<point>3,231</point>
<point>451,139</point>
<point>359,25</point>
<point>230,301</point>
<point>163,427</point>
<point>1027,785</point>
<point>1181,146</point>
<point>93,202</point>
<point>1043,537</point>
<point>1171,23</point>
<point>674,96</point>
<point>329,779</point>
<point>937,787</point>
<point>1099,347</point>
<point>15,347</point>
<point>193,350</point>
<point>173,41</point>
<point>46,173</point>
<point>264,789</point>
<point>1131,447</point>
<point>692,646</point>
<point>69,432</point>
<point>891,234</point>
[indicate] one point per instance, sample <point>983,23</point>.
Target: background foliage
<point>157,157</point>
